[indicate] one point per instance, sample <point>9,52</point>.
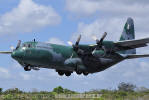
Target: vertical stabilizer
<point>128,34</point>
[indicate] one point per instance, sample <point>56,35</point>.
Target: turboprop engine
<point>99,53</point>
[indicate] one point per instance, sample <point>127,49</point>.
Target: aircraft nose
<point>16,55</point>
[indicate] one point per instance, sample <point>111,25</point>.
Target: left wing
<point>131,44</point>
<point>118,46</point>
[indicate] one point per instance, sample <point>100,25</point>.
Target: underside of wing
<point>5,52</point>
<point>136,56</point>
<point>131,44</point>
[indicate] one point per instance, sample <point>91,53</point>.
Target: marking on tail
<point>128,34</point>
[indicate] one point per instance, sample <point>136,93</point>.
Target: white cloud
<point>143,67</point>
<point>25,76</point>
<point>4,73</point>
<point>81,6</point>
<point>16,65</point>
<point>112,16</point>
<point>112,26</point>
<point>27,17</point>
<point>90,7</point>
<point>56,41</point>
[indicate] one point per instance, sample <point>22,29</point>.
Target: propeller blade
<point>78,40</point>
<point>101,40</point>
<point>70,43</point>
<point>104,35</point>
<point>76,46</point>
<point>18,45</point>
<point>5,52</point>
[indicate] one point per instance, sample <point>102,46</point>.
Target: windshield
<point>27,45</point>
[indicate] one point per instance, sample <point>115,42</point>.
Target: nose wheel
<point>27,68</point>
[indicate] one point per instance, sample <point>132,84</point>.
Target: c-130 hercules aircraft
<point>78,58</point>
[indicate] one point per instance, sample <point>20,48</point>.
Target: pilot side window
<point>29,45</point>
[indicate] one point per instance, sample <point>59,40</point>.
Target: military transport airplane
<point>79,58</point>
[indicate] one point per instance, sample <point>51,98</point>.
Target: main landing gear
<point>68,73</point>
<point>61,73</point>
<point>80,72</point>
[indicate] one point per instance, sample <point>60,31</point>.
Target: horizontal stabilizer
<point>5,52</point>
<point>136,56</point>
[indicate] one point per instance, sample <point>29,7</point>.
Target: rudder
<point>128,34</point>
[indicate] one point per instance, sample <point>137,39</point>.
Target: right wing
<point>5,52</point>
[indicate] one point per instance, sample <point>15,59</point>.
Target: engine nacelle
<point>72,61</point>
<point>99,53</point>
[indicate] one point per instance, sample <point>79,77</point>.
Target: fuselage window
<point>29,45</point>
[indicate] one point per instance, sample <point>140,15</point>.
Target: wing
<point>130,44</point>
<point>118,46</point>
<point>136,56</point>
<point>5,52</point>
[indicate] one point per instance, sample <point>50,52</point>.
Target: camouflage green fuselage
<point>59,57</point>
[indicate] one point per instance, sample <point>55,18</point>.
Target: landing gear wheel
<point>27,68</point>
<point>79,72</point>
<point>60,73</point>
<point>85,73</point>
<point>68,73</point>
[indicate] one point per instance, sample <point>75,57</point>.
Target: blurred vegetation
<point>124,91</point>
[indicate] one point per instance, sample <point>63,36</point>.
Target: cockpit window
<point>27,45</point>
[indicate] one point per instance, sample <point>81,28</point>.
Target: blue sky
<point>58,21</point>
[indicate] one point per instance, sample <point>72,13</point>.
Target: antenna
<point>34,37</point>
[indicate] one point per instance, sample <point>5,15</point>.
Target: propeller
<point>12,48</point>
<point>78,40</point>
<point>18,45</point>
<point>99,42</point>
<point>76,45</point>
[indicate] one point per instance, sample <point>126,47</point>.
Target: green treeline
<point>124,91</point>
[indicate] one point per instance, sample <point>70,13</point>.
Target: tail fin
<point>128,34</point>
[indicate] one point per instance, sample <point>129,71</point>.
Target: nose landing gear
<point>27,68</point>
